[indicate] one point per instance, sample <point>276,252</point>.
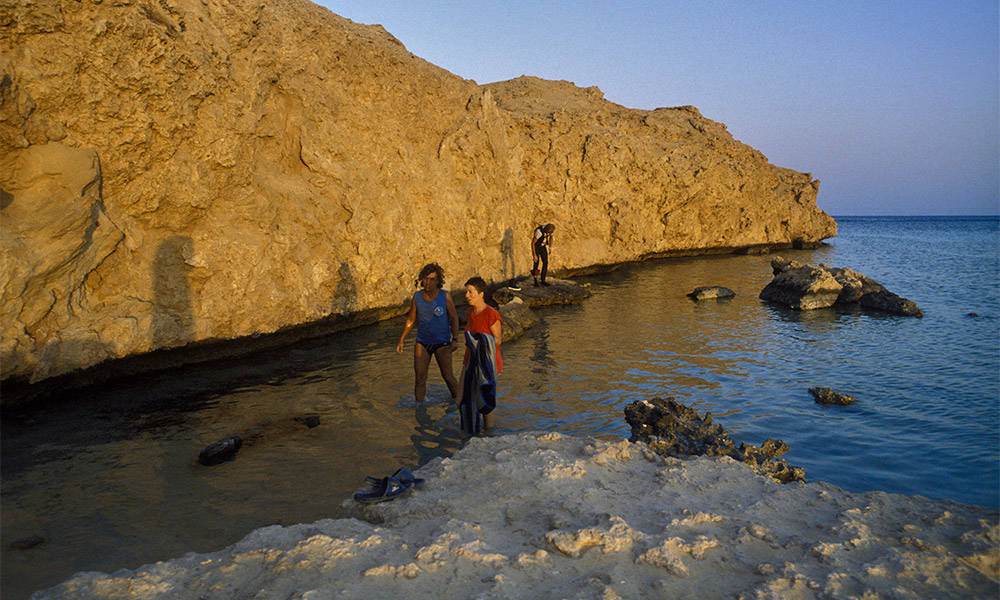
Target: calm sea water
<point>109,477</point>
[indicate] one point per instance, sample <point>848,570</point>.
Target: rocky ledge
<point>175,173</point>
<point>805,287</point>
<point>543,515</point>
<point>673,429</point>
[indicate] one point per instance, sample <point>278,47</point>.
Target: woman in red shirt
<point>481,318</point>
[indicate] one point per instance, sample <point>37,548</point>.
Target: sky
<point>893,105</point>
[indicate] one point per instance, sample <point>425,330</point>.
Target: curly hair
<point>432,268</point>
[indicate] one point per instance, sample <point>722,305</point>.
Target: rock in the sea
<point>26,543</point>
<point>516,318</point>
<point>226,448</point>
<point>559,291</point>
<point>673,429</point>
<point>709,292</point>
<point>807,287</point>
<point>824,395</point>
<point>172,173</point>
<point>220,451</point>
<point>803,288</point>
<point>889,302</point>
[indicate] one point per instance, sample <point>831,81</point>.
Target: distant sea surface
<point>108,476</point>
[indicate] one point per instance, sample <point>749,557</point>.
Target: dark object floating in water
<point>827,396</point>
<point>972,314</point>
<point>709,292</point>
<point>26,543</point>
<point>226,448</point>
<point>221,451</point>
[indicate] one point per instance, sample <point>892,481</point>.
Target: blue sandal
<point>402,475</point>
<point>387,488</point>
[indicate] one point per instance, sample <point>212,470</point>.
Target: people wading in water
<point>433,311</point>
<point>482,362</point>
<point>541,242</point>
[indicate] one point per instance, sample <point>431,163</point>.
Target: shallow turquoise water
<point>109,475</point>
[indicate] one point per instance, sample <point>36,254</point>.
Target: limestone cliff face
<point>174,171</point>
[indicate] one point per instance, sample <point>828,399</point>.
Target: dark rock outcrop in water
<point>516,318</point>
<point>673,429</point>
<point>824,395</point>
<point>710,292</point>
<point>226,448</point>
<point>807,287</point>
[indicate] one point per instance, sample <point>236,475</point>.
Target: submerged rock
<point>707,293</point>
<point>805,287</point>
<point>559,291</point>
<point>828,396</point>
<point>673,429</point>
<point>226,448</point>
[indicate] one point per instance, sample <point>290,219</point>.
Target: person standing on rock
<point>541,242</point>
<point>482,362</point>
<point>433,312</point>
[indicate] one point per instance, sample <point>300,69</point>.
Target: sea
<point>107,477</point>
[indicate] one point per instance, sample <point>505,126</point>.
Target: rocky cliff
<point>176,171</point>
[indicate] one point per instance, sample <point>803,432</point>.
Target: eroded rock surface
<point>711,292</point>
<point>558,291</point>
<point>805,287</point>
<point>194,170</point>
<point>673,429</point>
<point>544,515</point>
<point>824,395</point>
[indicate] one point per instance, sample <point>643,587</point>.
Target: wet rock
<point>559,291</point>
<point>226,448</point>
<point>673,429</point>
<point>828,396</point>
<point>889,302</point>
<point>709,292</point>
<point>517,318</point>
<point>803,288</point>
<point>26,543</point>
<point>221,451</point>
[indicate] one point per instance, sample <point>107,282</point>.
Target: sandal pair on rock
<point>388,488</point>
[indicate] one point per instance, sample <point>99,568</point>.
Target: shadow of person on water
<point>436,438</point>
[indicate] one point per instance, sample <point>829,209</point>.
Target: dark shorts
<point>432,348</point>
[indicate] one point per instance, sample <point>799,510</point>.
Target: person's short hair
<point>549,228</point>
<point>432,268</point>
<point>477,282</point>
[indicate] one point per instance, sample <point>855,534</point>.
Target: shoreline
<point>19,393</point>
<point>540,514</point>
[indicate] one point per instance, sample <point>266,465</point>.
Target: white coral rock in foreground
<point>551,516</point>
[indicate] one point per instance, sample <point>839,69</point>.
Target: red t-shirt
<point>481,323</point>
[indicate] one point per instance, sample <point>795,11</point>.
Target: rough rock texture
<point>710,292</point>
<point>516,318</point>
<point>824,395</point>
<point>176,171</point>
<point>805,287</point>
<point>673,429</point>
<point>559,291</point>
<point>550,516</point>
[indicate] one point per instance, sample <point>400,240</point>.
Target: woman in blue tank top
<point>433,312</point>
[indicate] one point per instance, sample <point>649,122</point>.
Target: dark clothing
<point>479,396</point>
<point>542,254</point>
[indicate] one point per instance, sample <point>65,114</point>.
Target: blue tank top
<point>432,319</point>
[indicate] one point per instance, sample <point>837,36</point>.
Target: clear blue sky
<point>895,106</point>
